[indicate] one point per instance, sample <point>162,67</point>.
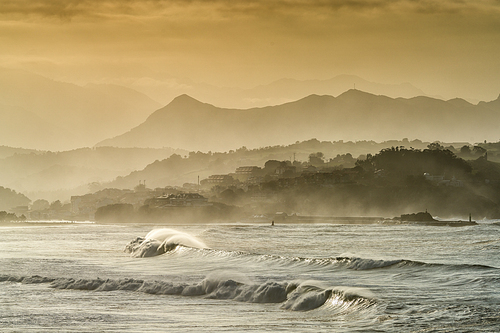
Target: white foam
<point>160,241</point>
<point>169,236</point>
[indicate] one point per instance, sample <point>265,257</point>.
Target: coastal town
<point>281,189</point>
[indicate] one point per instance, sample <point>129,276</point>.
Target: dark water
<point>239,277</point>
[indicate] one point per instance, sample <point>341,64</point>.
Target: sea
<point>249,277</point>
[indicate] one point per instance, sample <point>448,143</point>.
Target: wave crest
<point>307,297</point>
<point>160,241</point>
<point>293,296</point>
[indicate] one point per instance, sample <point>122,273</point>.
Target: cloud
<point>68,9</point>
<point>228,41</point>
<point>44,8</point>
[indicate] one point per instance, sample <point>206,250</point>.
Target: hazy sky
<point>445,47</point>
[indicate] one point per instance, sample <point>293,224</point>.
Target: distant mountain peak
<point>460,102</point>
<point>184,98</point>
<point>313,98</point>
<point>354,115</point>
<point>186,102</point>
<point>355,93</point>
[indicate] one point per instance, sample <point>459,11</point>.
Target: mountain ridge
<point>68,115</point>
<point>274,93</point>
<point>190,124</point>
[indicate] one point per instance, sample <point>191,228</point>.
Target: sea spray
<point>179,237</point>
<point>448,279</point>
<point>160,241</point>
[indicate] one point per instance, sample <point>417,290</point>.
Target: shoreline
<point>42,222</point>
<point>345,220</point>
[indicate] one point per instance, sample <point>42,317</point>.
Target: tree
<point>399,163</point>
<point>478,151</point>
<point>465,150</point>
<point>4,216</point>
<point>229,196</point>
<point>115,212</point>
<point>40,204</point>
<point>317,159</point>
<point>435,146</point>
<point>56,205</point>
<point>271,166</point>
<point>10,199</point>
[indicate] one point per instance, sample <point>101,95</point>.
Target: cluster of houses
<point>286,175</point>
<point>283,174</point>
<point>85,206</point>
<point>178,200</point>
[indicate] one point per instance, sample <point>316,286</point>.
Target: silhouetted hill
<point>22,128</point>
<point>6,151</point>
<point>177,170</point>
<point>459,102</point>
<point>354,115</point>
<point>334,85</point>
<point>52,115</point>
<point>389,183</point>
<point>10,199</point>
<point>275,93</point>
<point>494,105</point>
<point>58,175</point>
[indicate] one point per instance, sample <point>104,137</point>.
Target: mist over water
<point>232,277</point>
<point>231,135</point>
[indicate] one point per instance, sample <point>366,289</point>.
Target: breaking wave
<point>361,264</point>
<point>292,296</point>
<point>354,263</point>
<point>160,241</point>
<point>308,296</point>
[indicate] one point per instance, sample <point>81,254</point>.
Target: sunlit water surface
<point>242,277</point>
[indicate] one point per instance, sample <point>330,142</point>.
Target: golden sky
<point>449,48</point>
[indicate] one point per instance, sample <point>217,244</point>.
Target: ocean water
<point>240,277</point>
